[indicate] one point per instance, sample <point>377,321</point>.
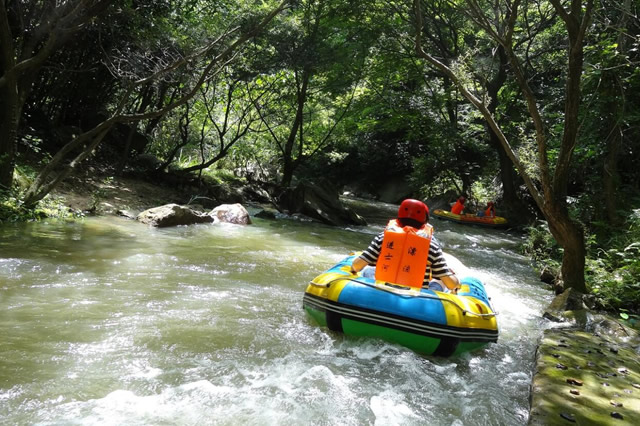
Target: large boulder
<point>172,215</point>
<point>231,213</point>
<point>320,202</point>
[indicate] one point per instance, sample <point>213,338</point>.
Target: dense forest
<point>530,103</point>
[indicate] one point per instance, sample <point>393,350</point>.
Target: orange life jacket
<point>490,211</point>
<point>404,254</point>
<point>457,208</point>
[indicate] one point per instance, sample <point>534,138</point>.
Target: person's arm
<point>358,264</point>
<point>451,281</point>
<point>369,256</point>
<point>439,267</point>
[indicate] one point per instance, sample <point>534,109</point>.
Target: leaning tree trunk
<point>550,194</point>
<point>43,184</point>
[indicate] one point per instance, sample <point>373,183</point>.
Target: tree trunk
<point>289,162</point>
<point>40,187</point>
<point>570,236</point>
<point>10,106</point>
<point>9,118</point>
<point>616,106</point>
<point>508,175</point>
<point>145,102</point>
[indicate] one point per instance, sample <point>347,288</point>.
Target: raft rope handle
<point>403,293</point>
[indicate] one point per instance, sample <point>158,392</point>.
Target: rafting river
<point>109,322</point>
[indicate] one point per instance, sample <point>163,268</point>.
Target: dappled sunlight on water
<point>110,322</point>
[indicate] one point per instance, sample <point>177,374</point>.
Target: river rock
<point>267,214</point>
<point>548,276</point>
<point>231,213</point>
<point>614,330</point>
<point>568,300</point>
<point>127,213</point>
<point>172,215</point>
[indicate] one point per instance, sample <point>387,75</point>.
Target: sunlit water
<point>109,322</point>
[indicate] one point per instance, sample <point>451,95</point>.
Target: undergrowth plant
<point>613,270</point>
<point>12,210</point>
<point>612,267</point>
<point>542,248</point>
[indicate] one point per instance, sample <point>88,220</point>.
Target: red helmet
<point>462,199</point>
<point>413,209</point>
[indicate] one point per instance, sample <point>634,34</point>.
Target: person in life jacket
<point>490,210</point>
<point>406,252</point>
<point>458,206</point>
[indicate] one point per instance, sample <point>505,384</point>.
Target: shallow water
<point>110,322</point>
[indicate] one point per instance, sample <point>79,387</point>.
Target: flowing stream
<point>109,322</point>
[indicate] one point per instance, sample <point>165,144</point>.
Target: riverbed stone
<point>267,214</point>
<point>593,369</point>
<point>129,214</point>
<point>231,213</point>
<point>567,306</point>
<point>172,215</point>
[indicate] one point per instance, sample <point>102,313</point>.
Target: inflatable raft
<point>471,219</point>
<point>426,321</point>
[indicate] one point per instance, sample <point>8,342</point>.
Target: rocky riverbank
<point>587,373</point>
<point>128,196</point>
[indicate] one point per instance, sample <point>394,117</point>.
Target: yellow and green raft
<point>471,219</point>
<point>426,321</point>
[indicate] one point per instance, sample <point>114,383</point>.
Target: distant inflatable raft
<point>426,321</point>
<point>471,219</point>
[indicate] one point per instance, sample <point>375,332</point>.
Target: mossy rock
<point>584,379</point>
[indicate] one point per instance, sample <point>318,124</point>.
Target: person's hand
<point>357,265</point>
<point>452,282</point>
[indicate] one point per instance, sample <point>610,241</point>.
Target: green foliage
<point>222,177</point>
<point>632,320</point>
<point>542,247</point>
<point>12,210</point>
<point>612,266</point>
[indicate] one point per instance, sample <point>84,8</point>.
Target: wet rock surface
<point>172,215</point>
<point>586,377</point>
